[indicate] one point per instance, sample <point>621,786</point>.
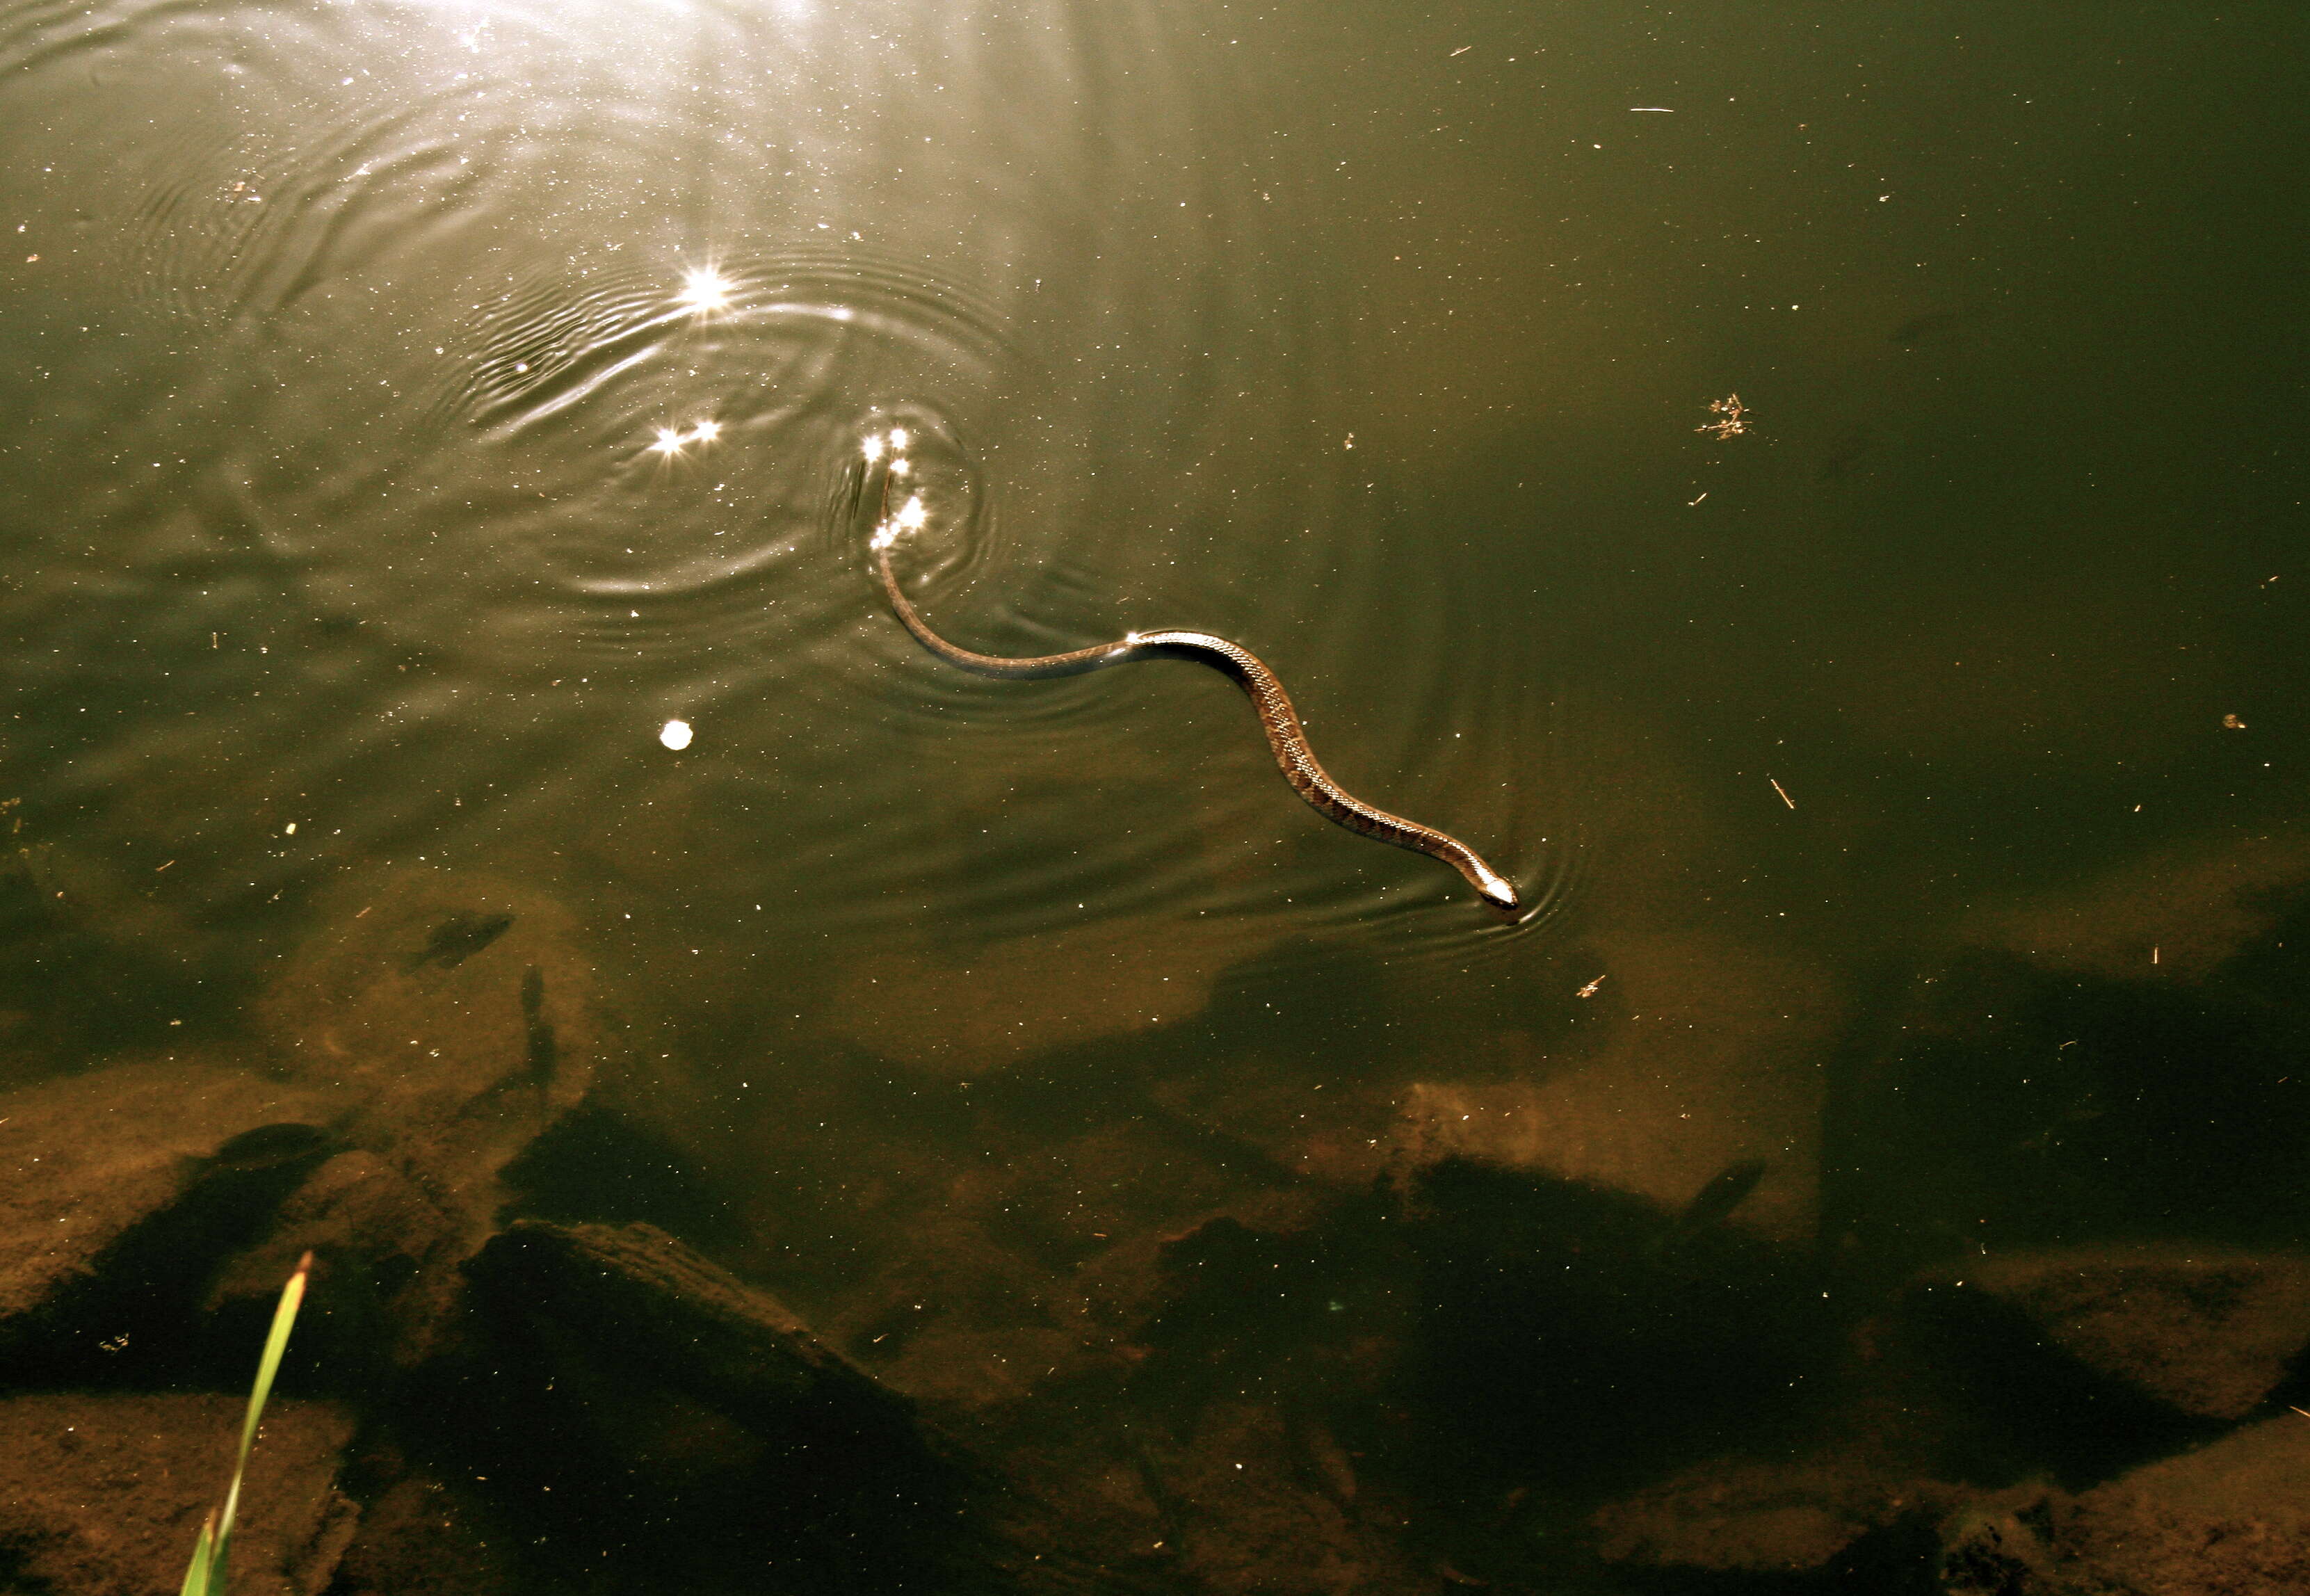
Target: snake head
<point>1499,892</point>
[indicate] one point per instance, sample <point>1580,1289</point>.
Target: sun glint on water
<point>704,290</point>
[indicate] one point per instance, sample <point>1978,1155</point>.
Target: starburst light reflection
<point>704,292</point>
<point>672,440</point>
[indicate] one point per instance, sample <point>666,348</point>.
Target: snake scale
<point>1277,718</point>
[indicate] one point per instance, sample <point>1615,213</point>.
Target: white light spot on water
<point>672,440</point>
<point>898,437</point>
<point>872,448</point>
<point>674,734</point>
<point>913,515</point>
<point>704,290</point>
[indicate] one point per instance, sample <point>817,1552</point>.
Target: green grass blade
<point>284,1319</point>
<point>196,1578</point>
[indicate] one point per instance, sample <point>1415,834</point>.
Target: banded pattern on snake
<point>1277,718</point>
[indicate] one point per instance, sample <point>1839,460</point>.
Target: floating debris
<point>1733,413</point>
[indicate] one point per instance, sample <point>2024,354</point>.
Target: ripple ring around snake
<point>1274,705</point>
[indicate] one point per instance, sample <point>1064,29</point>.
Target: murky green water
<point>1811,491</point>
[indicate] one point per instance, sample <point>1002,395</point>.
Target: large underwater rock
<point>2208,1332</point>
<point>112,1178</point>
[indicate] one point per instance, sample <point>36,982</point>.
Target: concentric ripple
<point>622,463</point>
<point>508,372</point>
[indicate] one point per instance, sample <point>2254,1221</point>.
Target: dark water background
<point>1910,786</point>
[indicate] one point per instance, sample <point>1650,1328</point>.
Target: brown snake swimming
<point>1274,705</point>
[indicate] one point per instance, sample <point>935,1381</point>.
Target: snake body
<point>1277,718</point>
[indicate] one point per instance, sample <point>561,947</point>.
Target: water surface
<point>414,408</point>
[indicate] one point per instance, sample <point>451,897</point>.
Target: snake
<point>1285,736</point>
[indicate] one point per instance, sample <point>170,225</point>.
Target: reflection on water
<point>514,368</point>
<point>460,752</point>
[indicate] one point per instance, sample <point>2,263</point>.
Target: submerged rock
<point>92,1163</point>
<point>1239,1512</point>
<point>460,1014</point>
<point>2207,1331</point>
<point>377,1236</point>
<point>636,1294</point>
<point>2001,1545</point>
<point>1700,1054</point>
<point>103,1495</point>
<point>614,1357</point>
<point>2231,1516</point>
<point>1742,1517</point>
<point>2227,1517</point>
<point>417,1539</point>
<point>965,1325</point>
<point>462,1010</point>
<point>2177,913</point>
